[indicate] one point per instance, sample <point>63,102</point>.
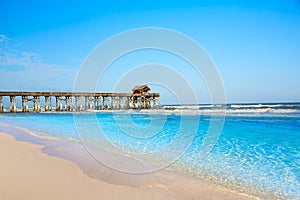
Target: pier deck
<point>78,101</point>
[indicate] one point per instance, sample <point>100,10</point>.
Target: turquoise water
<point>259,151</point>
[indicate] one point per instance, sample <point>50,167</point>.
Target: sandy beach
<point>27,173</point>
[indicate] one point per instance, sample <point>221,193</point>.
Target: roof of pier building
<point>140,89</point>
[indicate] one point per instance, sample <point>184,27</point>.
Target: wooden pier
<point>81,101</point>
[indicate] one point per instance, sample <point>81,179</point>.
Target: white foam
<point>254,109</point>
<point>256,105</point>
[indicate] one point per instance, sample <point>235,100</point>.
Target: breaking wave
<point>235,109</point>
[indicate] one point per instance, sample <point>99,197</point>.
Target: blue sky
<point>254,44</point>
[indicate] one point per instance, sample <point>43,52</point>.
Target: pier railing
<point>78,101</point>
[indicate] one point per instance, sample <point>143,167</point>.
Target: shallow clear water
<point>253,151</point>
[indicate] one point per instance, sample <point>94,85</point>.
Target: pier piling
<point>1,105</point>
<point>13,105</point>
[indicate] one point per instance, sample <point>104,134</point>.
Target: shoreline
<point>169,184</point>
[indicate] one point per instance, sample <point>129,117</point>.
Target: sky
<point>253,44</point>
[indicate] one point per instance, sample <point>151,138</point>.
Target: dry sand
<point>27,173</point>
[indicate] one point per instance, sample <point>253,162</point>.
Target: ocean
<point>257,150</point>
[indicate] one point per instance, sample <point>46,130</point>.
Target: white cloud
<point>11,56</point>
<point>3,38</point>
<point>24,70</point>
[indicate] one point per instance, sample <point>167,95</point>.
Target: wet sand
<point>41,168</point>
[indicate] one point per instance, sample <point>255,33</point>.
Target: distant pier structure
<point>140,98</point>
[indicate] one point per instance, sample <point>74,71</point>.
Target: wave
<point>231,109</point>
<point>274,106</point>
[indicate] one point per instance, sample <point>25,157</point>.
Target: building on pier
<point>140,98</point>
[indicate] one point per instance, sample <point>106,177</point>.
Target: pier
<point>80,101</point>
